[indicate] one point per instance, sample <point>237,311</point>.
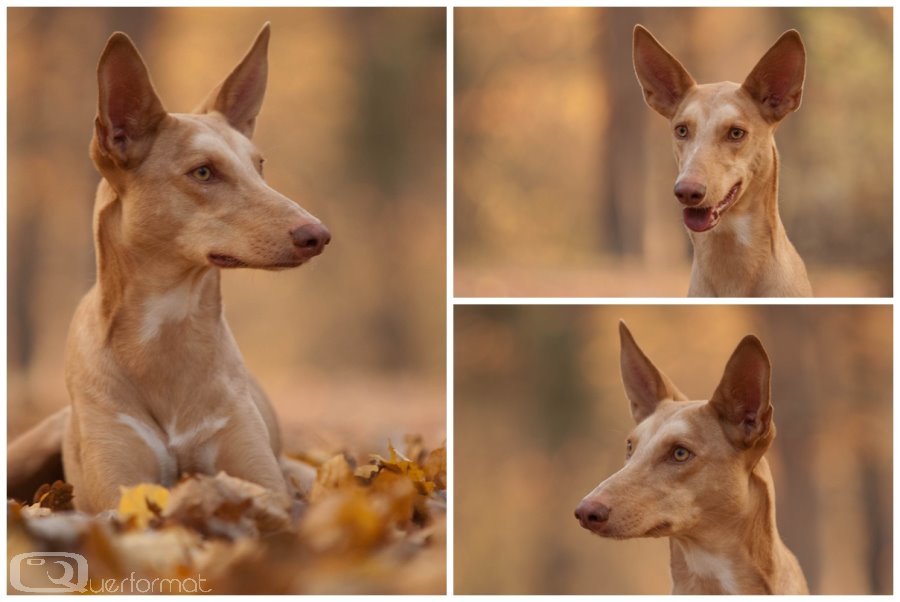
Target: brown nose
<point>591,513</point>
<point>689,192</point>
<point>310,239</point>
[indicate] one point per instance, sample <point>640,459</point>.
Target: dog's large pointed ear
<point>742,399</point>
<point>239,98</point>
<point>645,385</point>
<point>664,80</point>
<point>776,82</point>
<point>129,110</point>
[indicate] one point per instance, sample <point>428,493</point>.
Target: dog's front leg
<point>245,452</point>
<point>103,454</point>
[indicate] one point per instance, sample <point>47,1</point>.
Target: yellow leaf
<point>334,474</point>
<point>436,467</point>
<point>366,471</point>
<point>425,478</point>
<point>143,503</point>
<point>415,448</point>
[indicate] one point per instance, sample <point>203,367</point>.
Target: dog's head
<point>685,460</point>
<point>192,184</point>
<point>720,131</point>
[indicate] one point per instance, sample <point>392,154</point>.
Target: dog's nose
<point>591,513</point>
<point>311,239</point>
<point>689,192</point>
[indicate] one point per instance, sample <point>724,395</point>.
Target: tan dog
<point>157,383</point>
<point>724,142</point>
<point>695,472</point>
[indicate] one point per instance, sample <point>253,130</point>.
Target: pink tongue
<point>698,219</point>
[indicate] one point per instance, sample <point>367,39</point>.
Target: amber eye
<point>736,133</point>
<point>203,173</point>
<point>680,454</point>
<point>681,131</point>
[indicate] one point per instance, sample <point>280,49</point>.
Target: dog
<point>695,472</point>
<point>157,383</point>
<point>723,136</point>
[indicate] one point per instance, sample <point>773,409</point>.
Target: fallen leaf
<point>225,506</point>
<point>333,474</point>
<point>377,527</point>
<point>142,503</point>
<point>366,472</point>
<point>435,467</point>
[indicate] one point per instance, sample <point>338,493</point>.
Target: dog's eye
<point>629,447</point>
<point>680,454</point>
<point>202,173</point>
<point>681,131</point>
<point>736,133</point>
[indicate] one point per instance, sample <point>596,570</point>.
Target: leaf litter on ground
<point>376,527</point>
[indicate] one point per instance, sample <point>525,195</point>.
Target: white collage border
<point>451,300</point>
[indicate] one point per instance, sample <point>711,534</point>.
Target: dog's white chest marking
<point>709,566</point>
<point>197,440</point>
<point>168,466</point>
<point>740,226</point>
<point>200,432</point>
<point>171,306</point>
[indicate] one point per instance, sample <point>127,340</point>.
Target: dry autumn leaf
<point>57,496</point>
<point>142,503</point>
<point>423,481</point>
<point>366,472</point>
<point>435,467</point>
<point>225,506</point>
<point>333,474</point>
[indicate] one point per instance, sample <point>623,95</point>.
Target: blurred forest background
<point>351,348</point>
<point>541,418</point>
<point>563,176</point>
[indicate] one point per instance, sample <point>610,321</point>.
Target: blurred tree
<point>20,281</point>
<point>386,145</point>
<point>555,376</point>
<point>794,387</point>
<point>621,224</point>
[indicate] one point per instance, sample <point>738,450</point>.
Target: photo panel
<point>795,418</point>
<point>565,179</point>
<point>298,448</point>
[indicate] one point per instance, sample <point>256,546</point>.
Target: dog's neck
<point>740,553</point>
<point>141,295</point>
<point>731,258</point>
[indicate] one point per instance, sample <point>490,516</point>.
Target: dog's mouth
<point>225,261</point>
<point>228,261</point>
<point>701,219</point>
<point>609,531</point>
<point>659,530</point>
